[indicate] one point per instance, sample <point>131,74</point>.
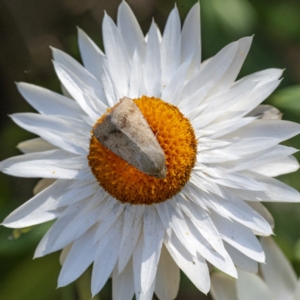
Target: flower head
<point>220,146</point>
<point>277,281</point>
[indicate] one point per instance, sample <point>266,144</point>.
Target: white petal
<point>224,262</point>
<point>250,286</point>
<point>77,227</point>
<point>275,168</point>
<point>203,222</point>
<point>108,218</point>
<point>46,243</point>
<point>80,256</point>
<point>262,76</point>
<point>131,231</point>
<point>279,129</point>
<point>260,158</point>
<point>179,226</point>
<point>106,257</point>
<point>275,190</point>
<point>212,72</point>
<point>257,206</point>
<point>278,272</point>
<point>137,267</point>
<point>115,48</point>
<point>236,65</point>
<point>92,57</point>
<point>136,81</point>
<point>39,209</point>
<point>241,260</point>
<point>83,94</point>
<point>48,164</point>
<point>223,287</point>
<point>239,237</point>
<point>76,68</point>
<point>130,30</point>
<point>231,207</point>
<point>172,92</point>
<point>47,102</point>
<point>152,71</point>
<point>168,277</point>
<point>153,238</point>
<point>191,37</point>
<point>63,132</point>
<point>266,112</point>
<point>170,46</point>
<point>35,145</point>
<point>123,283</point>
<point>195,268</point>
<point>258,95</point>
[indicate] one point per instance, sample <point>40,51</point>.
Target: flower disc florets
<point>176,137</point>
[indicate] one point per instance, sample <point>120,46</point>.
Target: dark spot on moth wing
<point>125,131</point>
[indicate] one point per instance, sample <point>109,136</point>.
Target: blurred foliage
<point>29,27</point>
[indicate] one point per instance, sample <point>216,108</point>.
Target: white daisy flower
<point>221,150</point>
<point>277,280</point>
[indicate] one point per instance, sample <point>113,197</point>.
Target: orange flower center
<point>129,185</point>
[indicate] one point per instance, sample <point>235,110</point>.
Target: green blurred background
<point>28,27</point>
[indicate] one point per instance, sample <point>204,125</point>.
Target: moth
<point>125,131</point>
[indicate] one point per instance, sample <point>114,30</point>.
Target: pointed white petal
<point>131,231</point>
<point>136,80</point>
<point>172,92</point>
<point>39,209</point>
<point>131,31</point>
<point>279,129</point>
<point>47,102</point>
<point>123,283</point>
<point>82,93</point>
<point>46,244</point>
<point>76,68</point>
<point>211,73</point>
<point>170,46</point>
<point>275,190</point>
<point>152,68</point>
<point>240,260</point>
<point>106,257</point>
<point>278,272</point>
<point>239,237</point>
<point>236,65</point>
<point>266,112</point>
<point>63,132</point>
<point>195,268</point>
<point>92,57</point>
<point>282,166</point>
<point>48,164</point>
<point>153,238</point>
<point>77,227</point>
<point>203,223</point>
<point>257,206</point>
<point>168,277</point>
<point>115,48</point>
<point>80,256</point>
<point>108,218</point>
<point>137,274</point>
<point>191,37</point>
